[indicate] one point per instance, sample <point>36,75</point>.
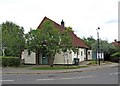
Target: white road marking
<point>77,77</point>
<point>114,73</point>
<point>43,79</point>
<point>6,80</point>
<point>63,78</point>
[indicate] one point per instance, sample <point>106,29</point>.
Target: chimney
<point>62,23</point>
<point>115,40</point>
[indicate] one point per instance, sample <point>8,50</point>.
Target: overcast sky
<point>84,16</point>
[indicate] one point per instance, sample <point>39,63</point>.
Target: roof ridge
<point>55,22</point>
<point>50,20</point>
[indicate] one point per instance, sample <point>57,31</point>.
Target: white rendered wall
<point>29,59</point>
<point>83,56</point>
<point>89,54</point>
<point>63,58</point>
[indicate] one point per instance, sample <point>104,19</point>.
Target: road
<point>102,76</point>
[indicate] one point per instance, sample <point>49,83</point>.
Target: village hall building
<point>84,53</point>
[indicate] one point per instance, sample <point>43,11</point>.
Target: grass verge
<point>92,63</point>
<point>57,67</point>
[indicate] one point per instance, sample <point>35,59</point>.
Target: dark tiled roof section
<point>118,42</point>
<point>77,42</point>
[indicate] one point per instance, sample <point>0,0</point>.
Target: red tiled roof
<point>116,44</point>
<point>77,42</point>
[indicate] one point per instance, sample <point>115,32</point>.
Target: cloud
<point>84,16</point>
<point>112,21</point>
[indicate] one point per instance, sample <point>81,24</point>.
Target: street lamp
<point>98,45</point>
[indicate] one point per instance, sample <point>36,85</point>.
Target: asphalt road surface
<point>102,76</point>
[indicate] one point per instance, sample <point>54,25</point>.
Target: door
<point>44,59</point>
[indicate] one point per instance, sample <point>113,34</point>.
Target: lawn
<point>92,63</point>
<point>57,67</point>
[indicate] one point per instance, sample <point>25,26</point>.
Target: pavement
<point>27,70</point>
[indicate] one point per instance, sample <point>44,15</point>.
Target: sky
<point>84,16</point>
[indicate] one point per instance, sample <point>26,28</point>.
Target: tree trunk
<point>37,57</point>
<point>51,60</point>
<point>20,57</point>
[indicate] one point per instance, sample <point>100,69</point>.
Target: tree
<point>13,39</point>
<point>34,42</point>
<point>89,41</point>
<point>0,40</point>
<point>66,40</point>
<point>105,47</point>
<point>48,39</point>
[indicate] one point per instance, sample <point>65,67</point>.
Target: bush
<point>117,54</point>
<point>10,61</point>
<point>115,57</point>
<point>0,61</point>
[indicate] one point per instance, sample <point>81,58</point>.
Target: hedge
<point>10,61</point>
<point>117,54</point>
<point>115,57</point>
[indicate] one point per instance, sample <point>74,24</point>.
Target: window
<point>81,53</point>
<point>29,52</point>
<point>84,52</point>
<point>88,53</point>
<point>77,51</point>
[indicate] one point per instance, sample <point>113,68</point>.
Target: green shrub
<point>0,61</point>
<point>115,57</point>
<point>117,54</point>
<point>10,61</point>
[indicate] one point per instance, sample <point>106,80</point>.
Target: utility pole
<point>98,45</point>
